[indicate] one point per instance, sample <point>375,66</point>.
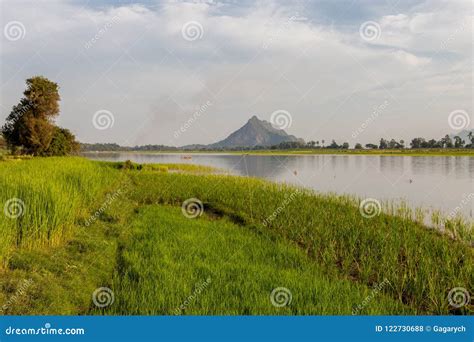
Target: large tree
<point>63,143</point>
<point>30,126</point>
<point>3,144</point>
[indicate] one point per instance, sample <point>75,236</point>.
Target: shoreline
<point>329,152</point>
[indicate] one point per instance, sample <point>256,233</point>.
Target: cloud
<point>248,59</point>
<point>410,59</point>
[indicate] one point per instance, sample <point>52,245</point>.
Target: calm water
<point>442,183</point>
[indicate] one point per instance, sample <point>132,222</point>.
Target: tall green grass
<point>421,265</point>
<point>46,197</point>
<point>171,265</point>
<point>324,234</point>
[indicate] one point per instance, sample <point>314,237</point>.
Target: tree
<point>311,144</point>
<point>393,144</point>
<point>30,126</point>
<point>417,142</point>
<point>371,146</point>
<point>458,142</point>
<point>446,142</point>
<point>432,143</point>
<point>470,135</point>
<point>14,128</point>
<point>345,145</point>
<point>63,143</point>
<point>383,144</point>
<point>3,143</point>
<point>286,145</point>
<point>358,146</point>
<point>333,144</point>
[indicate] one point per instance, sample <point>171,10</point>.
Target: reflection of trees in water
<point>392,165</point>
<point>277,166</point>
<point>459,167</point>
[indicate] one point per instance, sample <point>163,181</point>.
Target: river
<point>442,183</point>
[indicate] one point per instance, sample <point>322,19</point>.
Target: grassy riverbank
<point>78,225</point>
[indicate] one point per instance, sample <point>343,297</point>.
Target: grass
<point>188,168</point>
<point>44,198</point>
<point>421,265</point>
<point>253,236</point>
<point>167,257</point>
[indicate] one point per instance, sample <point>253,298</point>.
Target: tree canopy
<point>30,127</point>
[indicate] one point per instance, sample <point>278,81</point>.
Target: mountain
<point>255,132</point>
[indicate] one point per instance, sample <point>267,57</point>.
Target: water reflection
<point>430,182</point>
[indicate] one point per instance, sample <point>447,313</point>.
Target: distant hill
<point>255,132</point>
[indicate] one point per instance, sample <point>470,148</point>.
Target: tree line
<point>30,127</point>
<point>384,144</point>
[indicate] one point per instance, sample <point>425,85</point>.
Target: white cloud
<point>410,59</point>
<point>249,61</point>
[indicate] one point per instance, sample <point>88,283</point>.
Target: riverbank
<point>160,232</point>
<point>404,152</point>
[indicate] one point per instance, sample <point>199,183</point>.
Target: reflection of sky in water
<point>429,182</point>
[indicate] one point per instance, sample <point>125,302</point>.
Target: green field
<point>76,226</point>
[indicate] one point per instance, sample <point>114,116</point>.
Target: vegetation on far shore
<point>443,146</point>
<point>399,152</point>
<point>79,225</point>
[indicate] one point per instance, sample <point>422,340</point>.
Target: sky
<point>186,72</point>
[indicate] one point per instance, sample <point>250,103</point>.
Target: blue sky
<point>400,78</point>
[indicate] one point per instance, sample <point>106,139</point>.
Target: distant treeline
<point>384,144</point>
<point>115,147</point>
